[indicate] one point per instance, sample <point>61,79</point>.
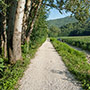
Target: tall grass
<point>80,41</point>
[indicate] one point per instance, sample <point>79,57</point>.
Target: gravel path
<point>48,72</point>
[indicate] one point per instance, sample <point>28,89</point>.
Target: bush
<point>81,41</point>
<point>84,46</point>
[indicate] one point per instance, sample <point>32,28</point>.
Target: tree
<point>14,30</point>
<point>53,31</point>
<point>3,37</point>
<point>26,19</point>
<point>40,28</point>
<point>29,31</point>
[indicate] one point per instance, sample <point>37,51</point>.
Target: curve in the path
<point>48,72</point>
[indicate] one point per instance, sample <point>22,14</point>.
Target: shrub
<point>81,41</point>
<point>2,67</point>
<point>84,46</point>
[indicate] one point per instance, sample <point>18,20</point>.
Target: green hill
<point>62,21</point>
<point>68,26</point>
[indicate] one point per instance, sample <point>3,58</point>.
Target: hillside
<point>62,21</point>
<point>68,26</point>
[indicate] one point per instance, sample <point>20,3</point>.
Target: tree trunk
<point>3,37</point>
<point>14,30</point>
<point>11,18</point>
<point>25,19</point>
<point>1,33</point>
<point>18,30</point>
<point>33,22</point>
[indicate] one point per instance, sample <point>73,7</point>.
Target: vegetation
<point>18,18</point>
<point>75,61</point>
<point>61,22</point>
<point>80,41</point>
<point>11,73</point>
<point>23,28</point>
<point>75,29</point>
<point>53,31</point>
<point>70,29</point>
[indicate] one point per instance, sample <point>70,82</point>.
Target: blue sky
<point>54,14</point>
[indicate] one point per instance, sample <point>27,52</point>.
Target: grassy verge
<point>79,41</point>
<point>75,61</point>
<point>12,73</point>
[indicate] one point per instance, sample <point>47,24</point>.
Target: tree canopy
<point>79,8</point>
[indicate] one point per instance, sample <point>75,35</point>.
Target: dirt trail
<point>48,72</point>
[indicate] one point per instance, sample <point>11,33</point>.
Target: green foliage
<point>61,22</point>
<point>75,29</point>
<point>2,67</point>
<point>12,73</point>
<point>79,8</point>
<point>3,7</point>
<point>75,61</point>
<point>69,27</point>
<point>80,41</point>
<point>53,31</point>
<point>40,27</point>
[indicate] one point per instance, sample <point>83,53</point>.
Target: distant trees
<point>53,31</point>
<point>71,29</point>
<point>62,21</point>
<point>76,29</point>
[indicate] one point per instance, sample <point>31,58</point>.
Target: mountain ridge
<point>62,21</point>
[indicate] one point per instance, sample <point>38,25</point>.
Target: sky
<point>54,14</point>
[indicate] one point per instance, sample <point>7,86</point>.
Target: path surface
<point>48,72</point>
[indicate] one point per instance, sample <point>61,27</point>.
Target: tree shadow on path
<point>67,76</point>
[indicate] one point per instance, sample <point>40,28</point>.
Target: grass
<point>75,61</point>
<point>79,41</point>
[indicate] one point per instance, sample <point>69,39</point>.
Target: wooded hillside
<point>72,28</point>
<point>62,21</point>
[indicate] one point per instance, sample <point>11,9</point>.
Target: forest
<point>62,21</point>
<point>23,29</point>
<point>72,28</point>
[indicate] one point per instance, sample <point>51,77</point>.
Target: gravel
<point>48,72</point>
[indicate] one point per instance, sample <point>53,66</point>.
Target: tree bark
<point>1,33</point>
<point>3,36</point>
<point>14,30</point>
<point>25,19</point>
<point>33,22</point>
